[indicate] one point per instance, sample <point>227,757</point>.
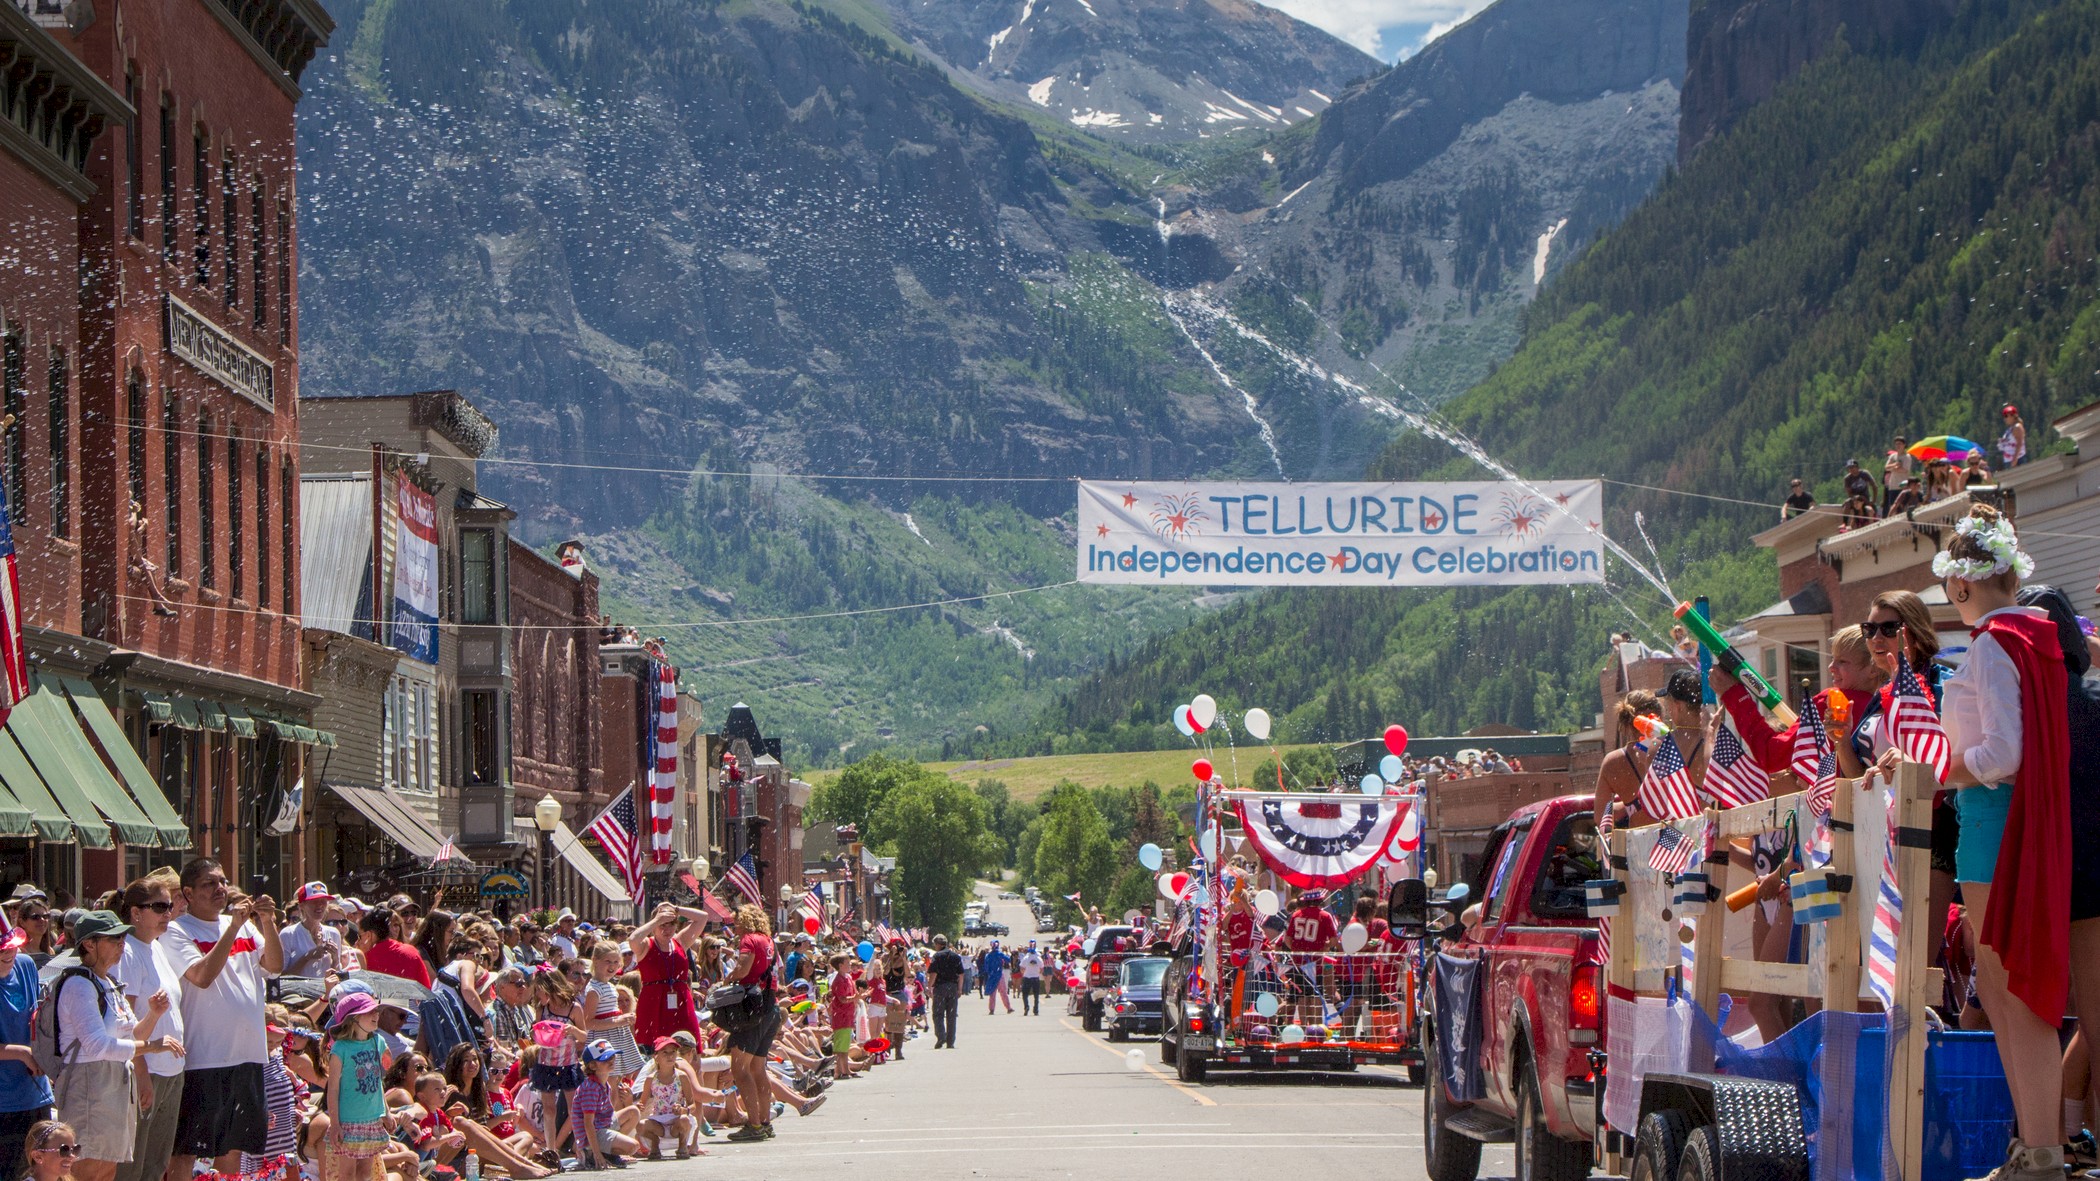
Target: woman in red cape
<point>2009,737</point>
<point>664,958</point>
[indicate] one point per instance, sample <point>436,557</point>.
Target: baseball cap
<point>599,1050</point>
<point>26,891</point>
<point>1314,896</point>
<point>314,892</point>
<point>666,1042</point>
<point>585,927</point>
<point>96,924</point>
<point>685,1038</point>
<point>2010,409</point>
<point>1851,463</point>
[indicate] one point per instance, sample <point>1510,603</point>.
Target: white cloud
<point>1365,23</point>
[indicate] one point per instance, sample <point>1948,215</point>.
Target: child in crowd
<point>598,1141</point>
<point>357,1133</point>
<point>672,1093</point>
<point>845,996</point>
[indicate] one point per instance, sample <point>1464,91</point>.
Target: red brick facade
<point>556,742</point>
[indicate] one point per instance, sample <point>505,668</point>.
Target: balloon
<point>1165,882</point>
<point>1207,844</point>
<point>1266,903</point>
<point>1203,770</point>
<point>1390,768</point>
<point>1180,882</point>
<point>1292,1033</point>
<point>1075,983</point>
<point>1195,723</point>
<point>866,951</point>
<point>1205,709</point>
<point>1150,856</point>
<point>1354,936</point>
<point>1134,1060</point>
<point>1266,1004</point>
<point>1396,739</point>
<point>811,925</point>
<point>1370,785</point>
<point>1181,721</point>
<point>1257,724</point>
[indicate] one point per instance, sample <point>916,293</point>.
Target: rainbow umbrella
<point>1952,447</point>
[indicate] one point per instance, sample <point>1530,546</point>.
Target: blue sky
<point>1388,29</point>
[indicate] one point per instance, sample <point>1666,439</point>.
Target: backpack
<point>445,1020</point>
<point>45,1041</point>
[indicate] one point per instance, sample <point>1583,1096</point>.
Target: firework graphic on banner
<point>1178,515</point>
<point>1520,516</point>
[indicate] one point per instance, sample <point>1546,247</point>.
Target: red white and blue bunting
<point>1321,841</point>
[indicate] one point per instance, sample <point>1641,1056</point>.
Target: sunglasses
<point>62,1149</point>
<point>161,907</point>
<point>42,916</point>
<point>1887,630</point>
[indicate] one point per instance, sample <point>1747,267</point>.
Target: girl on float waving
<point>2010,763</point>
<point>1626,791</point>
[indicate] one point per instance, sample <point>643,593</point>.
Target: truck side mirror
<point>1407,906</point>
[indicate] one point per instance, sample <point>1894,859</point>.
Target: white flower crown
<point>1998,539</point>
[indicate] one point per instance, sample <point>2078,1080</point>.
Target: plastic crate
<point>1968,1109</point>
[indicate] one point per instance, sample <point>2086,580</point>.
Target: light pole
<point>787,895</point>
<point>546,816</point>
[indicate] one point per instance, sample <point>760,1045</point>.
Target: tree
<point>1136,888</point>
<point>857,793</point>
<point>935,829</point>
<point>1304,767</point>
<point>1074,852</point>
<point>1003,816</point>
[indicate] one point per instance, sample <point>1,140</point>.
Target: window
<point>134,166</point>
<point>1505,865</point>
<point>200,200</point>
<point>259,254</point>
<point>230,193</point>
<point>478,711</point>
<point>284,271</point>
<point>135,437</point>
<point>61,438</point>
<point>171,481</point>
<point>262,526</point>
<point>169,218</point>
<point>11,404</point>
<point>477,579</point>
<point>410,739</point>
<point>289,512</point>
<point>236,521</point>
<point>1576,858</point>
<point>207,524</point>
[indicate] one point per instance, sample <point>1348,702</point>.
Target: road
<point>1023,1098</point>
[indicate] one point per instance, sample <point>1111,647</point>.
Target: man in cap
<point>1031,965</point>
<point>1858,482</point>
<point>945,973</point>
<point>311,947</point>
<point>224,961</point>
<point>510,1012</point>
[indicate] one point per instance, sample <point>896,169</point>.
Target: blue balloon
<point>1371,785</point>
<point>1389,768</point>
<point>1150,857</point>
<point>866,951</point>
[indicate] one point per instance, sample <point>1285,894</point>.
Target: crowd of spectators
<point>1906,482</point>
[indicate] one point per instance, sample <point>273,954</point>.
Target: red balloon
<point>1396,739</point>
<point>812,926</point>
<point>1189,716</point>
<point>1179,883</point>
<point>1203,770</point>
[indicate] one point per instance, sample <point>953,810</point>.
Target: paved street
<point>1034,1097</point>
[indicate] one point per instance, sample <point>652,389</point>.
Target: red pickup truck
<point>1531,971</point>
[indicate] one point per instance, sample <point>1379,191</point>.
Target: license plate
<point>1199,1042</point>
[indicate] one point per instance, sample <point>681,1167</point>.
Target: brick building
<point>556,722</point>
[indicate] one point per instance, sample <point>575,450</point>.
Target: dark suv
<point>1135,1007</point>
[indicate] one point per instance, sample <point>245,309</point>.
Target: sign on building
<point>415,573</point>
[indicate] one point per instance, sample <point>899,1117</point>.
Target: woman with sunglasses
<point>51,1147</point>
<point>1900,625</point>
<point>144,970</point>
<point>25,1094</point>
<point>36,919</point>
<point>99,1038</point>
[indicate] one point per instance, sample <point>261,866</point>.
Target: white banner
<point>415,572</point>
<point>1450,534</point>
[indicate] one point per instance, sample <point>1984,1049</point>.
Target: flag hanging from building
<point>813,905</point>
<point>744,876</point>
<point>663,759</point>
<point>14,658</point>
<point>1917,729</point>
<point>1734,777</point>
<point>615,831</point>
<point>1666,791</point>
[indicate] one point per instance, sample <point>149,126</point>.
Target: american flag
<point>744,876</point>
<point>445,852</point>
<point>1666,792</point>
<point>14,658</point>
<point>813,904</point>
<point>615,831</point>
<point>663,760</point>
<point>1814,763</point>
<point>1672,852</point>
<point>1916,728</point>
<point>1733,777</point>
<point>1888,919</point>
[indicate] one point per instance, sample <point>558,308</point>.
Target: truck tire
<point>1167,1049</point>
<point>1416,1072</point>
<point>1090,1017</point>
<point>1541,1155</point>
<point>1658,1149</point>
<point>1116,1032</point>
<point>1446,1155</point>
<point>1190,1067</point>
<point>1702,1156</point>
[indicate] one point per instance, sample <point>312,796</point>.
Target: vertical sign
<point>415,573</point>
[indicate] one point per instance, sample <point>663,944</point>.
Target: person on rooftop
<point>1858,482</point>
<point>1798,500</point>
<point>1895,469</point>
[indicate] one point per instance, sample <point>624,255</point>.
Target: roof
<point>1809,600</point>
<point>335,556</point>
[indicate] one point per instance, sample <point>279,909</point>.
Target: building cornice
<point>281,35</point>
<point>73,104</point>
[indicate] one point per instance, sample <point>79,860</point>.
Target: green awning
<point>326,738</point>
<point>307,734</point>
<point>174,834</point>
<point>46,816</point>
<point>16,819</point>
<point>187,716</point>
<point>280,729</point>
<point>155,706</point>
<point>45,726</point>
<point>239,720</point>
<point>212,714</point>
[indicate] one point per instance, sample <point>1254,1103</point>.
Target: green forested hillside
<point>1891,243</point>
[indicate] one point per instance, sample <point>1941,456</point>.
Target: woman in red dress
<point>663,954</point>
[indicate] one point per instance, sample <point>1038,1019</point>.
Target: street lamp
<point>546,816</point>
<point>787,895</point>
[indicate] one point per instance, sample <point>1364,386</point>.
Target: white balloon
<point>1166,887</point>
<point>1134,1060</point>
<point>1150,856</point>
<point>1266,1004</point>
<point>1292,1033</point>
<point>1181,721</point>
<point>1257,724</point>
<point>1205,707</point>
<point>1208,844</point>
<point>1354,936</point>
<point>1266,903</point>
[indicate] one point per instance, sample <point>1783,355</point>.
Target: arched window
<point>207,520</point>
<point>236,515</point>
<point>171,483</point>
<point>262,526</point>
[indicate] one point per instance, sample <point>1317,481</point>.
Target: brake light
<point>1584,1003</point>
<point>1195,1023</point>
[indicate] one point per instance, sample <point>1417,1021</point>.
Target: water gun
<point>1732,663</point>
<point>1650,728</point>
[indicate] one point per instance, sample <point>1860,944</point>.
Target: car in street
<point>1046,924</point>
<point>996,929</point>
<point>1135,1007</point>
<point>1105,950</point>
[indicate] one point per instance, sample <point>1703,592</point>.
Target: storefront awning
<point>603,880</point>
<point>239,721</point>
<point>156,706</point>
<point>43,723</point>
<point>174,834</point>
<point>402,826</point>
<point>47,818</point>
<point>211,715</point>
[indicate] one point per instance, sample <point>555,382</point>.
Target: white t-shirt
<point>143,971</point>
<point>1031,965</point>
<point>563,944</point>
<point>231,1010</point>
<point>298,941</point>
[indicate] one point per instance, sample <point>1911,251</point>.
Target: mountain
<point>1145,70</point>
<point>1894,241</point>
